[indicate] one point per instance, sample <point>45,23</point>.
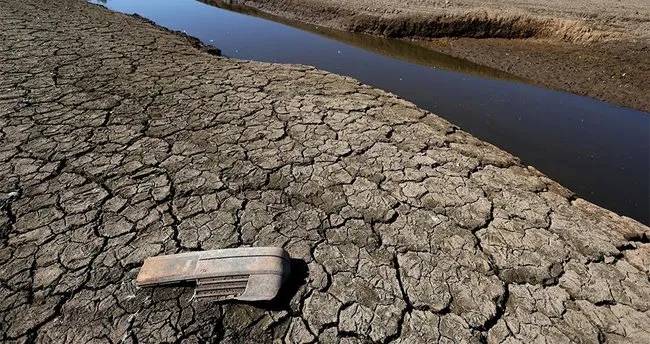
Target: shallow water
<point>599,150</point>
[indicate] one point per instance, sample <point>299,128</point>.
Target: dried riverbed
<point>121,140</point>
<point>589,146</point>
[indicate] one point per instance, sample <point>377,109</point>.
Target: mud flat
<point>121,140</point>
<point>594,48</point>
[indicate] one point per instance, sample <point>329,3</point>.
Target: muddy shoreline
<point>605,57</point>
<point>616,72</point>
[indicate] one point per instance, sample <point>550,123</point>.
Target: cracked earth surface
<point>120,140</point>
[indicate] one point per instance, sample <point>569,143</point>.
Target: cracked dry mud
<point>120,140</point>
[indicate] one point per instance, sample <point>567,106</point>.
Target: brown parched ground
<point>120,140</point>
<point>597,48</point>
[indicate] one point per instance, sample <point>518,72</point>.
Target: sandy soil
<point>592,48</point>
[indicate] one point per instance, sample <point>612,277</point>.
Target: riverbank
<point>595,49</point>
<point>121,140</point>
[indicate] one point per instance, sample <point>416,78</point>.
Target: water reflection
<point>395,48</point>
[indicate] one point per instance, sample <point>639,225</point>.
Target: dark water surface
<point>599,150</point>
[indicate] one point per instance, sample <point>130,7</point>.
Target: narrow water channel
<point>599,150</point>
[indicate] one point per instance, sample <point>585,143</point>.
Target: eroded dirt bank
<point>120,140</point>
<point>594,48</point>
